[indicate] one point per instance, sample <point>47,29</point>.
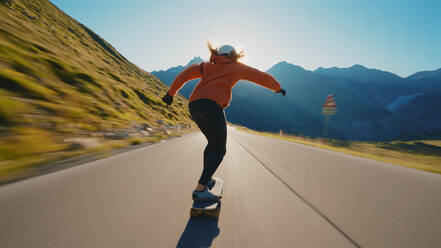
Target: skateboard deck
<point>208,208</point>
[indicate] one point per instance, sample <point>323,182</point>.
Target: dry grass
<point>40,150</point>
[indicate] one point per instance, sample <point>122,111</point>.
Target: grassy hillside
<point>417,154</point>
<point>64,89</point>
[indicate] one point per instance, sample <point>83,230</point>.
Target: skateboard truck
<point>208,208</point>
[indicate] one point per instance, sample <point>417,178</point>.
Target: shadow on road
<point>199,232</point>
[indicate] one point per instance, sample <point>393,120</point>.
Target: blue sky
<point>402,37</point>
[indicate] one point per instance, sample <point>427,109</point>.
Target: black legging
<point>210,118</point>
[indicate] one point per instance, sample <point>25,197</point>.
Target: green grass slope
<point>58,80</point>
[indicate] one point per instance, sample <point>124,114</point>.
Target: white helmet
<point>226,50</point>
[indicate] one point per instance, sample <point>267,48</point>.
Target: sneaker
<point>205,195</point>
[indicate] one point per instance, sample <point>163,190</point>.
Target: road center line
<point>301,197</point>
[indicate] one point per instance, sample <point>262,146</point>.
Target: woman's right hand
<point>167,99</point>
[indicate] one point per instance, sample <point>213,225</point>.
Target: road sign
<point>330,107</point>
<point>330,102</point>
<point>328,111</point>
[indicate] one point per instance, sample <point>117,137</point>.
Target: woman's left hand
<point>282,91</point>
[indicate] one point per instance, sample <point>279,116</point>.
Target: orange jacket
<point>218,79</point>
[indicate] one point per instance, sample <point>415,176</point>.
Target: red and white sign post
<point>328,109</point>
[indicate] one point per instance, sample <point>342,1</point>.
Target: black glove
<point>282,91</point>
<point>167,99</point>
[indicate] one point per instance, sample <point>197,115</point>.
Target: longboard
<point>208,208</point>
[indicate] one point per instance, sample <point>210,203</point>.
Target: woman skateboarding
<point>209,99</point>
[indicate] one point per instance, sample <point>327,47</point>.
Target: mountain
<point>426,74</point>
<point>169,75</point>
<point>372,104</point>
<point>300,112</point>
<point>358,73</point>
<point>424,104</point>
<point>425,81</point>
<point>414,97</point>
<point>375,86</point>
<point>60,79</point>
<point>195,60</point>
<point>423,107</point>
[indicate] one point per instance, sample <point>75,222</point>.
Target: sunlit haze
<point>398,36</point>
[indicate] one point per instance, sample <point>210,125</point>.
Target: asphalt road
<point>276,194</point>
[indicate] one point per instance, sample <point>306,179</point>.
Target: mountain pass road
<point>276,194</point>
